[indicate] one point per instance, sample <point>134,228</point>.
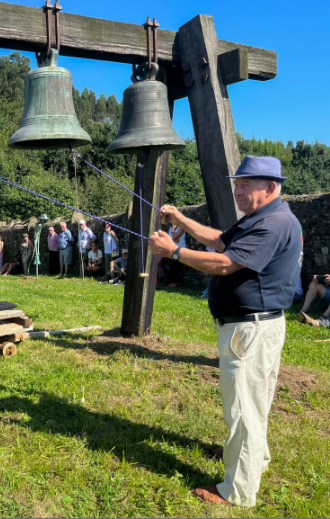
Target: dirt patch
<point>296,380</point>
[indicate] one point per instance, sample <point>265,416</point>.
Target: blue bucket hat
<point>260,167</point>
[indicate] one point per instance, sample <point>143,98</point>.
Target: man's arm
<point>201,233</point>
<point>209,262</point>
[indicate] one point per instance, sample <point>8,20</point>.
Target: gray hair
<point>63,223</point>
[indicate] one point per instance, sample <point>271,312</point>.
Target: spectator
<point>54,254</point>
<point>319,287</point>
<point>14,267</point>
<point>95,260</point>
<point>1,253</point>
<point>117,271</point>
<point>175,267</point>
<point>65,242</point>
<point>111,243</point>
<point>26,252</point>
<point>85,236</point>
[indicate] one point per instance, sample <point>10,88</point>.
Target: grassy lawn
<point>103,426</point>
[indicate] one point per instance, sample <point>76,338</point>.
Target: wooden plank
<point>212,119</point>
<point>234,66</point>
<point>139,292</point>
<point>10,329</point>
<point>262,63</point>
<point>23,28</point>
<point>4,305</point>
<point>22,321</point>
<point>10,314</point>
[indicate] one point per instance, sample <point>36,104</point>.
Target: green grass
<point>103,426</point>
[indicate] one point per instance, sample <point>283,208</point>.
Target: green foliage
<point>52,172</point>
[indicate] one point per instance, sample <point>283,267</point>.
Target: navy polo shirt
<point>268,244</point>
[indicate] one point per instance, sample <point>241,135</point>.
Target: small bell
<point>146,120</point>
<point>49,119</point>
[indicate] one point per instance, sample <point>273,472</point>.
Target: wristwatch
<point>176,254</point>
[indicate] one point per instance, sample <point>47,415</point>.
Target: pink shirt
<point>53,242</point>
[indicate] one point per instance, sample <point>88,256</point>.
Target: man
<point>65,242</point>
<point>319,287</point>
<point>111,243</point>
<point>85,236</point>
<point>14,267</point>
<point>54,254</point>
<point>253,279</point>
<point>117,272</point>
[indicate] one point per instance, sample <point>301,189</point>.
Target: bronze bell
<point>146,120</point>
<point>49,119</point>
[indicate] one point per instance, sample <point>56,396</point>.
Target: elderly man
<point>85,236</point>
<point>254,276</point>
<point>65,242</point>
<point>54,254</point>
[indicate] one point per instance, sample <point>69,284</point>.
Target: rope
<point>71,208</point>
<point>141,216</point>
<point>118,183</point>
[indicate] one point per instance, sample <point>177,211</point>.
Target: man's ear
<point>271,188</point>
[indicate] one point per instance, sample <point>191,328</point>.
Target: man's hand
<point>172,214</point>
<point>161,244</point>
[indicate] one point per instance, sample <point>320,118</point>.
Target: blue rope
<point>117,182</point>
<point>72,208</point>
<point>141,216</point>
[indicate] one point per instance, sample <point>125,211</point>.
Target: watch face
<point>175,256</point>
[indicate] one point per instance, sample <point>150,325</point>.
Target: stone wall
<point>313,212</point>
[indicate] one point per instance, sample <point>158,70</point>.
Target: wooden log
<point>212,119</point>
<point>7,349</point>
<point>140,291</point>
<point>24,28</point>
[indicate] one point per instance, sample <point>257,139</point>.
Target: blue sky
<point>293,106</point>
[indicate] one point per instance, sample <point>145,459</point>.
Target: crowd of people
<point>93,260</point>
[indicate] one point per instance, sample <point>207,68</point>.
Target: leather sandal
<point>210,495</point>
<point>304,318</point>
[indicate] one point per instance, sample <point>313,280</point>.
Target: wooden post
<point>212,118</point>
<point>140,291</point>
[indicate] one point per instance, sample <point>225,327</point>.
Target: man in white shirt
<point>111,251</point>
<point>85,237</point>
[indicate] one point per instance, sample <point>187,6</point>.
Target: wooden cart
<point>13,324</point>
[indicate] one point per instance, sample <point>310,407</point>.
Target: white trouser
<point>250,355</point>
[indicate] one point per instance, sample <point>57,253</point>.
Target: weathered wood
<point>212,119</point>
<point>4,305</point>
<point>22,321</point>
<point>140,291</point>
<point>24,28</point>
<point>234,66</point>
<point>10,329</point>
<point>9,314</point>
<point>7,349</point>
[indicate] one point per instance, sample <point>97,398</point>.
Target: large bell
<point>49,119</point>
<point>146,120</point>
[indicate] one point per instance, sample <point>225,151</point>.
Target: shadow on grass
<point>109,348</point>
<point>106,432</point>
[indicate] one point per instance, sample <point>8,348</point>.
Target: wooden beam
<point>24,28</point>
<point>212,118</point>
<point>140,291</point>
<point>234,66</point>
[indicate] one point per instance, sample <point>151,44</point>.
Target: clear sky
<point>293,106</point>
